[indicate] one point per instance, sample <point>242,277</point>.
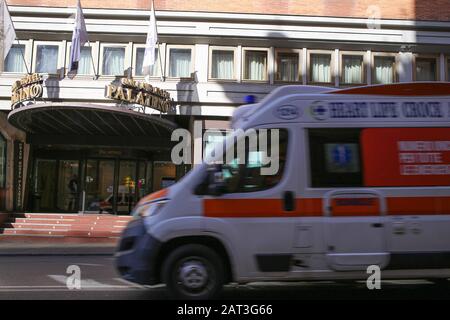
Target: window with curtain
<point>255,65</point>
<point>426,69</point>
<point>352,69</point>
<point>320,68</point>
<point>287,66</point>
<point>222,64</point>
<point>154,70</point>
<point>2,161</point>
<point>47,58</point>
<point>85,63</point>
<point>113,61</point>
<point>14,60</point>
<point>384,70</point>
<point>180,63</point>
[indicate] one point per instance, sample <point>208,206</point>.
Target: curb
<point>55,251</point>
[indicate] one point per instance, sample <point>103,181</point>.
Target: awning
<point>76,123</point>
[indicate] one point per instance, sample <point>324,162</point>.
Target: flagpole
<point>159,51</point>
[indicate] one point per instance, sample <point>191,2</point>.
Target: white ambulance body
<point>364,179</point>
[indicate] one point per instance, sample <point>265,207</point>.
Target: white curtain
<point>384,70</point>
<point>180,63</point>
<point>321,68</point>
<point>352,72</point>
<point>140,60</point>
<point>222,64</point>
<point>14,59</point>
<point>47,59</point>
<point>288,67</point>
<point>113,61</point>
<point>256,65</point>
<point>85,64</point>
<point>425,69</point>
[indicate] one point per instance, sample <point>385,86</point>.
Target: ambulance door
<point>256,212</point>
<point>355,229</point>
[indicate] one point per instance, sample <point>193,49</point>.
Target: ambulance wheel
<point>193,272</point>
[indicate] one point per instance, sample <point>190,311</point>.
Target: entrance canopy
<point>91,124</point>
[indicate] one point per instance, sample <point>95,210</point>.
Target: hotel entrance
<point>93,158</point>
<point>96,185</point>
<point>56,185</point>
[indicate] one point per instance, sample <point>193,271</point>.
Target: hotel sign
<point>28,88</point>
<point>18,175</point>
<point>141,93</point>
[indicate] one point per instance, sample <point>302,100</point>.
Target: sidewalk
<point>14,248</point>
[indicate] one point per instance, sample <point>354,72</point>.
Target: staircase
<point>76,228</point>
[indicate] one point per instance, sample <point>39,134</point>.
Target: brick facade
<point>438,10</point>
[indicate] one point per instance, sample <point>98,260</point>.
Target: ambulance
<point>362,181</point>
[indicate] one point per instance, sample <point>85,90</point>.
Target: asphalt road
<point>45,277</point>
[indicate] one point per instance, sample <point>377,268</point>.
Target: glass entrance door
<point>44,185</point>
<point>56,186</point>
<point>99,186</point>
<point>126,197</point>
<point>68,198</point>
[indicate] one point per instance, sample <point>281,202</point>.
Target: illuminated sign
<point>144,94</point>
<point>28,88</point>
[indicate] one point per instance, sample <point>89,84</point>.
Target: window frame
<point>447,67</point>
<point>300,61</point>
<point>60,64</point>
<point>289,135</point>
<point>316,161</point>
<point>244,50</point>
<point>95,55</point>
<point>384,54</point>
<point>167,64</point>
<point>426,57</point>
<point>235,56</point>
<point>5,152</point>
<point>28,55</point>
<point>126,58</point>
<point>160,65</point>
<point>332,67</point>
<point>341,68</point>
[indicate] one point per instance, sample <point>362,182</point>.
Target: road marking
<point>129,284</point>
<point>87,283</point>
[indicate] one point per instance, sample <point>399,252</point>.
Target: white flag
<point>150,45</point>
<point>9,34</point>
<point>79,38</point>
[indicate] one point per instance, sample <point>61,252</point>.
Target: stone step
<point>72,216</point>
<point>61,233</point>
<point>69,221</point>
<point>33,239</point>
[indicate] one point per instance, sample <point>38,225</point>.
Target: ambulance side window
<point>335,157</point>
<point>246,176</point>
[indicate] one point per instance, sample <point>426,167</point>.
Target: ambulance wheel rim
<point>194,275</point>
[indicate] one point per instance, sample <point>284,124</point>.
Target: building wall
<point>201,30</point>
<point>387,9</point>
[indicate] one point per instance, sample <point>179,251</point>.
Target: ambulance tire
<point>193,272</point>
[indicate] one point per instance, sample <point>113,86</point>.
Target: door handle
<point>377,225</point>
<point>289,201</point>
<point>399,228</point>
